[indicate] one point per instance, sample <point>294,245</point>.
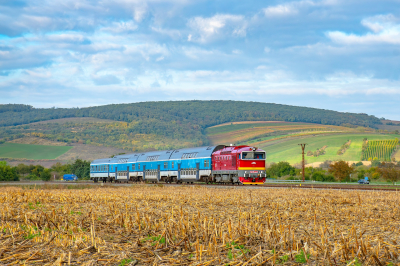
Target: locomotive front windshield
<point>253,155</point>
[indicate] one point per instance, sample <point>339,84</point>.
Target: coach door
<point>158,172</point>
<point>144,172</point>
<point>197,171</point>
<point>179,171</point>
<point>127,173</point>
<point>116,172</point>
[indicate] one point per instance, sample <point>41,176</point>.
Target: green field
<point>31,152</point>
<point>290,151</point>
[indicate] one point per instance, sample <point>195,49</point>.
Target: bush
<point>281,169</point>
<point>375,162</point>
<point>361,174</point>
<point>329,178</point>
<point>33,177</point>
<point>318,176</point>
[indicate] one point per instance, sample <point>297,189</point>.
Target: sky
<point>341,55</point>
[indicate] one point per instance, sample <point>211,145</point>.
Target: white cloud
<point>267,50</point>
<point>280,10</point>
<point>385,29</point>
<point>121,27</point>
<point>218,26</point>
<point>174,34</point>
<point>40,73</point>
<point>292,8</point>
<point>382,91</point>
<point>139,12</point>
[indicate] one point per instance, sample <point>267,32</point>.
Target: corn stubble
<point>156,225</point>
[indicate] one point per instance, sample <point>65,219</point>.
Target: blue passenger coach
<point>183,165</point>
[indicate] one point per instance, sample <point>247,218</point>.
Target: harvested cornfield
<point>156,225</point>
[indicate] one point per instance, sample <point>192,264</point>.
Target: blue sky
<point>330,54</point>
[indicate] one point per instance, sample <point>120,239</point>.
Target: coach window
<point>172,164</point>
<point>165,165</point>
<point>133,167</point>
<point>138,167</point>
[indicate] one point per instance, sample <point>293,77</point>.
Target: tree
<point>361,174</point>
<point>22,169</point>
<point>389,171</point>
<point>81,168</point>
<point>8,173</point>
<point>46,175</point>
<point>341,170</point>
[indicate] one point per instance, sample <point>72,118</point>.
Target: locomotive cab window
<point>253,155</point>
<point>259,155</point>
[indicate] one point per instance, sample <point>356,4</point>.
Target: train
<point>210,164</point>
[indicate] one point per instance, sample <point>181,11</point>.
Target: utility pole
<point>303,146</point>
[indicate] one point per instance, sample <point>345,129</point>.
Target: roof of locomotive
<point>235,149</point>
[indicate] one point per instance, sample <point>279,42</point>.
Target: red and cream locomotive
<point>238,164</point>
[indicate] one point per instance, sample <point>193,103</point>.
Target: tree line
<point>80,168</point>
<point>339,171</point>
<point>181,113</point>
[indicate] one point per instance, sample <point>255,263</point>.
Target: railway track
<point>264,186</point>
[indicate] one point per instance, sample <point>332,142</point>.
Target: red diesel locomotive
<point>234,164</point>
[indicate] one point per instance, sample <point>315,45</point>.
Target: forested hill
<point>157,125</point>
<point>201,113</point>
